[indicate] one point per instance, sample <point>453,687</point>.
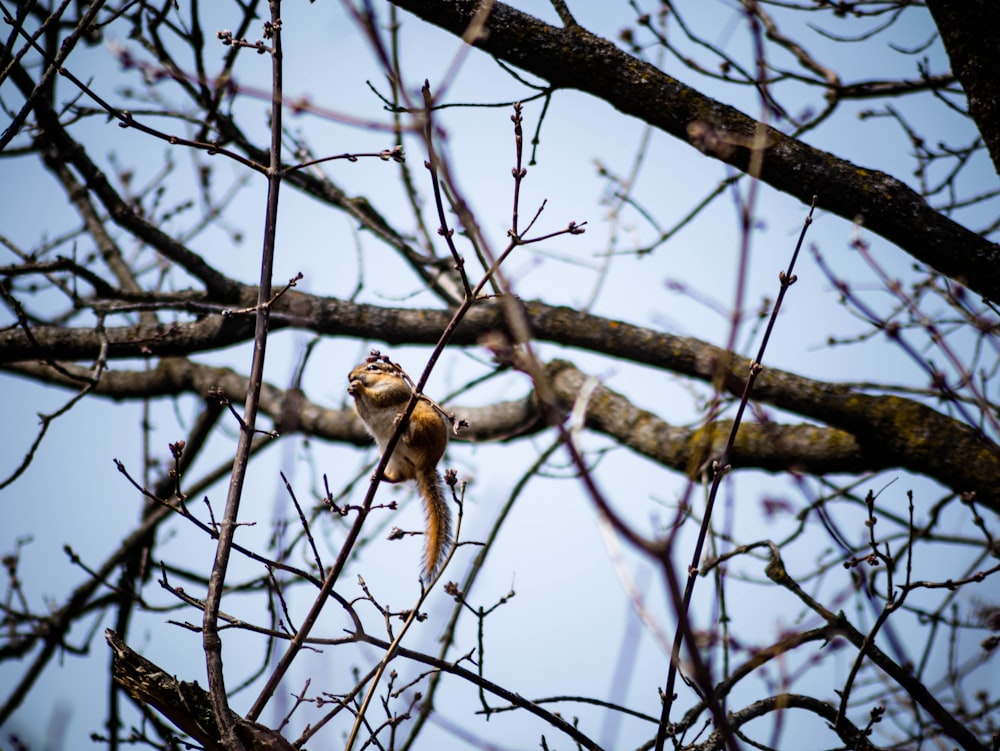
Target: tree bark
<point>184,703</point>
<point>969,30</point>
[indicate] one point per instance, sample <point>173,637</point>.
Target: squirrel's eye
<point>373,366</point>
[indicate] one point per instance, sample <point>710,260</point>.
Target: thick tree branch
<point>907,433</point>
<point>975,60</point>
<point>772,447</point>
<point>574,58</point>
<point>184,703</point>
<point>887,431</point>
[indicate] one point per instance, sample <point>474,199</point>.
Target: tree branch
<point>975,60</point>
<point>184,703</point>
<point>54,136</point>
<point>572,57</point>
<point>941,447</point>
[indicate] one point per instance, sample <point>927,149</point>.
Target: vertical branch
<point>519,171</point>
<point>433,168</point>
<point>210,635</point>
<point>786,279</point>
<point>355,531</point>
<point>721,466</point>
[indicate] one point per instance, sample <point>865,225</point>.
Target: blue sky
<point>570,600</point>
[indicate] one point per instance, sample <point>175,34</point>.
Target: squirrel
<point>381,391</point>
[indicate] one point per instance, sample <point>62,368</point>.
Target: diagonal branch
<point>62,147</point>
<point>184,703</point>
<point>572,57</point>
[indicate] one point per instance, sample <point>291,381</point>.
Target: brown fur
<point>380,394</point>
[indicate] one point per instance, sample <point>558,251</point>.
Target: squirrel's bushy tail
<point>438,521</point>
